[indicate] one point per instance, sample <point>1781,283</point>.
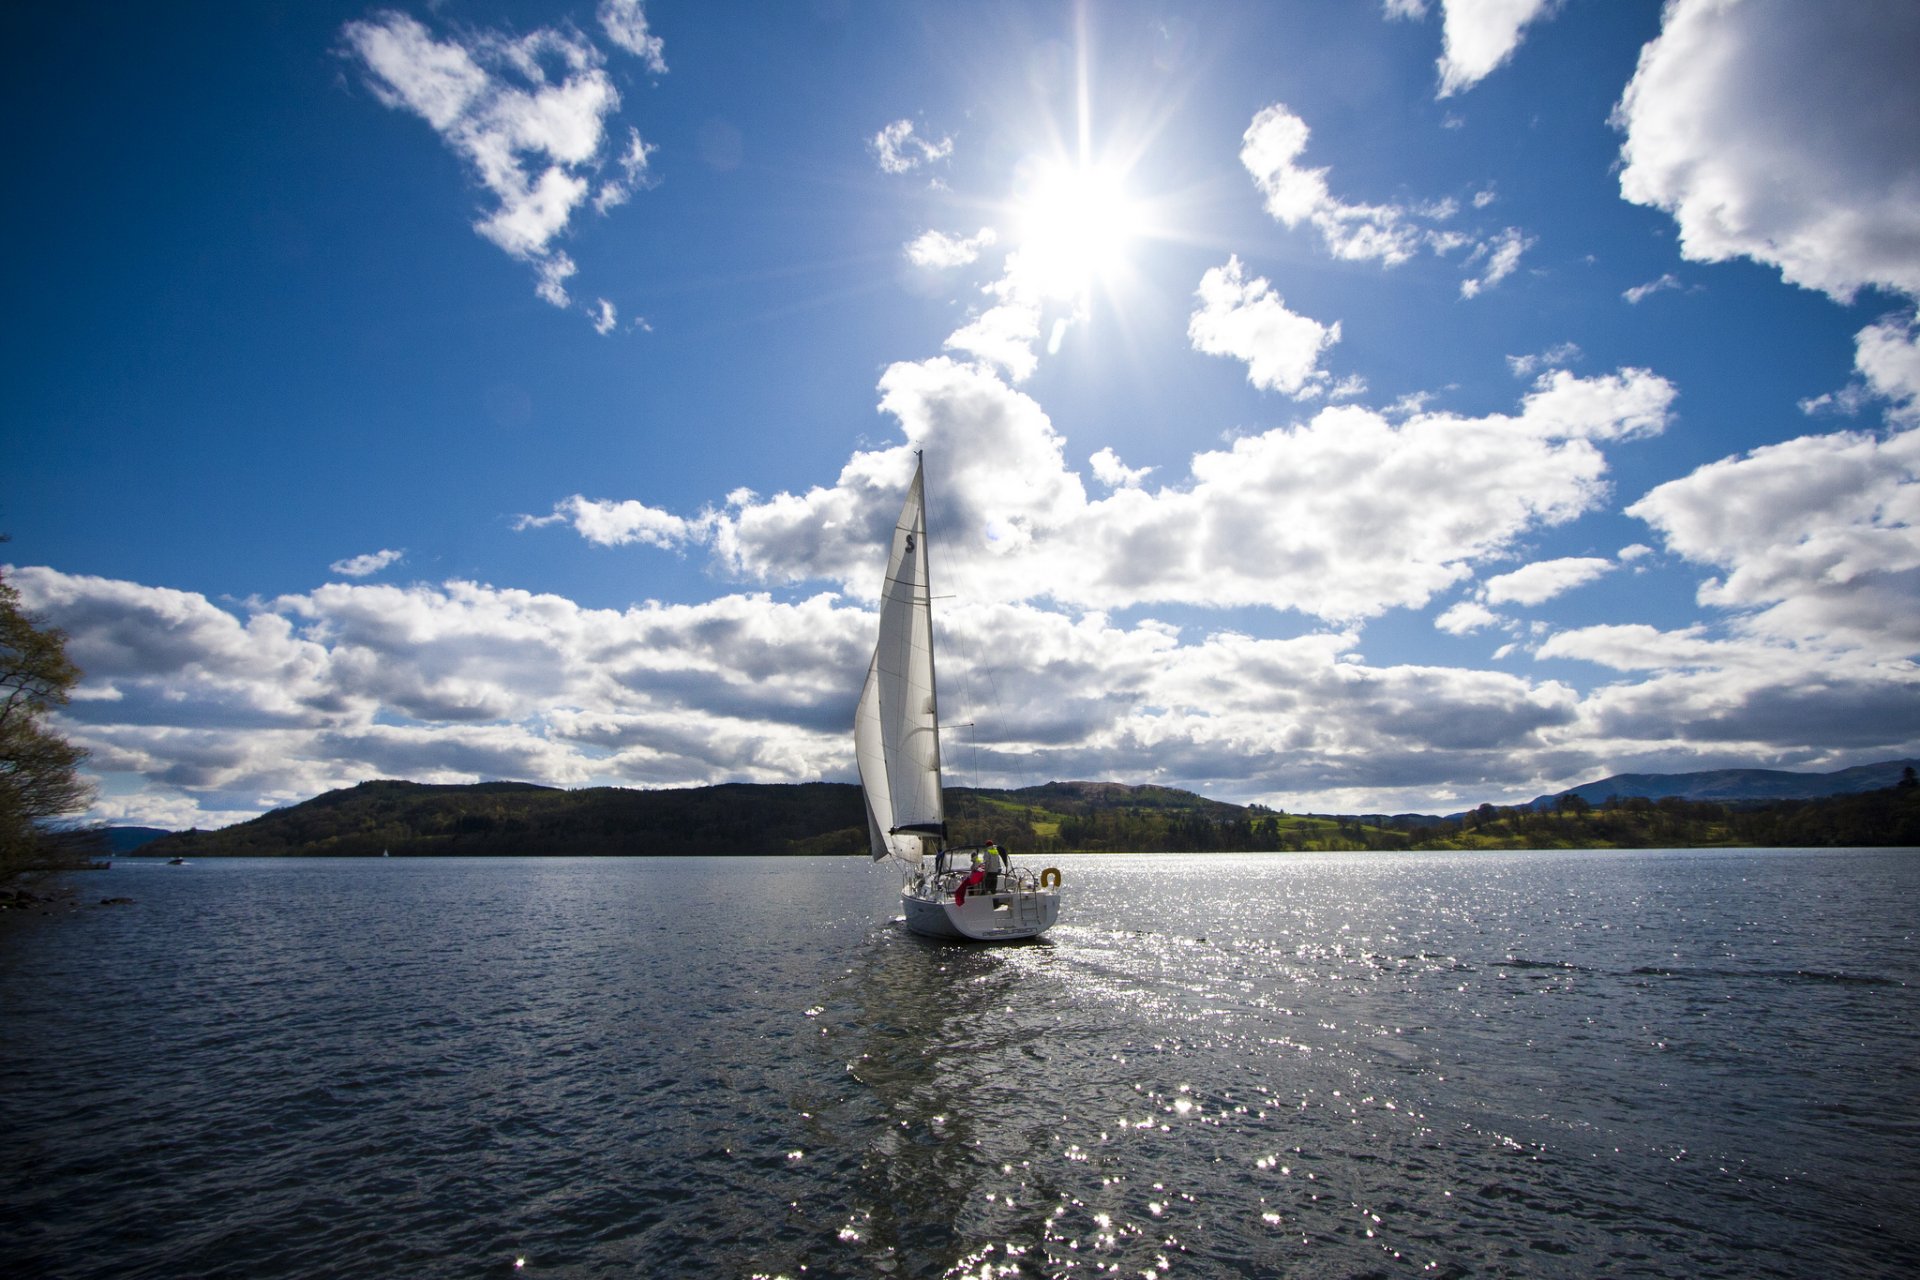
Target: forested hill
<point>1736,786</point>
<point>409,819</point>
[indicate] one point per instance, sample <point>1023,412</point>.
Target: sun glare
<point>1076,226</point>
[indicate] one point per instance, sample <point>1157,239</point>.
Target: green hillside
<point>409,819</point>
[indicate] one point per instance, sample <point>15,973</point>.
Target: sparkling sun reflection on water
<point>1638,1064</point>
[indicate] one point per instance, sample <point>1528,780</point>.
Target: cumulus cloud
<point>528,114</point>
<point>1542,580</point>
<point>1300,518</point>
<point>1466,617</point>
<point>1115,474</point>
<point>1005,333</point>
<point>362,566</point>
<point>617,523</point>
<point>216,716</point>
<point>1693,696</point>
<point>1817,538</point>
<point>1391,234</point>
<point>1783,132</point>
<point>223,717</point>
<point>1887,354</point>
<point>1481,35</point>
<point>1246,319</point>
<point>213,714</point>
<point>937,251</point>
<point>900,150</point>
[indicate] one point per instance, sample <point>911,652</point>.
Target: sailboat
<point>946,892</point>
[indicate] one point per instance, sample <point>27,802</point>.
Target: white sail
<point>896,729</point>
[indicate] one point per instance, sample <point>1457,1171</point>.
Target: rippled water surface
<point>1693,1065</point>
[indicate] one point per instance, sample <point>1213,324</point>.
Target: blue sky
<point>1344,406</point>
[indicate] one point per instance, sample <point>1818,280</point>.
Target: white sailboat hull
<point>1006,916</point>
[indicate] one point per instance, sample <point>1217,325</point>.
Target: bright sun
<point>1075,225</point>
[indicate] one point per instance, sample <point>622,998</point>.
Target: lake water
<point>1680,1064</point>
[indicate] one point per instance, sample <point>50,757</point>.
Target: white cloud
<point>464,681</point>
<point>1887,354</point>
<point>1818,538</point>
<point>1466,617</point>
<point>605,316</point>
<point>1004,335</point>
<point>1783,132</point>
<point>1640,292</point>
<point>1480,35</point>
<point>210,716</point>
<point>527,114</point>
<point>635,172</point>
<point>1304,518</point>
<point>1887,358</point>
<point>900,150</point>
<point>1247,321</point>
<point>1115,474</point>
<point>938,251</point>
<point>1695,698</point>
<point>1270,150</point>
<point>613,524</point>
<point>1542,580</point>
<point>361,566</point>
<point>217,718</point>
<point>554,270</point>
<point>1554,357</point>
<point>625,22</point>
<point>1502,255</point>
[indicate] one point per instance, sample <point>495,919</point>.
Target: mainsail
<point>896,730</point>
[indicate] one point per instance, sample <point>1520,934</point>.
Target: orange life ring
<point>1050,878</point>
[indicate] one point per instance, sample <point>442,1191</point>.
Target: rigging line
<point>956,640</point>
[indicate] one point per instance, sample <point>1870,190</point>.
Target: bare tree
<point>39,769</point>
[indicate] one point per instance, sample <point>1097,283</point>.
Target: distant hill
<point>128,839</point>
<point>1733,786</point>
<point>410,819</point>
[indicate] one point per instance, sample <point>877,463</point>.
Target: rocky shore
<point>49,899</point>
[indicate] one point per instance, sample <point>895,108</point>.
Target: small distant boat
<point>176,862</point>
<point>896,737</point>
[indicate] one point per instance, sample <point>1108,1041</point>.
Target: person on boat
<point>975,878</point>
<point>995,862</point>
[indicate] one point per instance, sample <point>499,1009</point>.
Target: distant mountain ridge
<point>411,819</point>
<point>127,839</point>
<point>1734,786</point>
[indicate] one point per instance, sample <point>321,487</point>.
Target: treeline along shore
<point>408,819</point>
